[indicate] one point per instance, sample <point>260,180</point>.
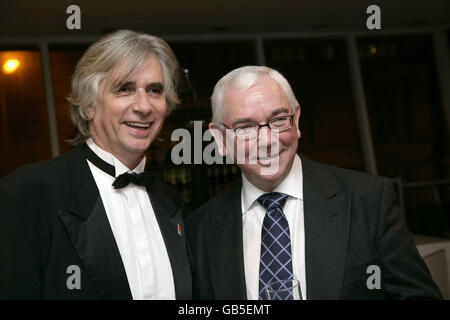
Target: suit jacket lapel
<point>86,223</point>
<point>225,247</point>
<point>169,220</point>
<point>327,218</point>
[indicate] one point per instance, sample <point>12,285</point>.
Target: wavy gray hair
<point>242,79</point>
<point>115,58</point>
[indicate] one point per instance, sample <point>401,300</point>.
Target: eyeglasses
<point>275,125</point>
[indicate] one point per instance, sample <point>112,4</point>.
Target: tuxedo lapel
<point>225,248</point>
<point>170,224</point>
<point>86,223</point>
<point>327,218</point>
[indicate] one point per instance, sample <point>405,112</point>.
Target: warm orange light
<point>11,65</point>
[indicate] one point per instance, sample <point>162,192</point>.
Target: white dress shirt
<point>136,231</point>
<point>252,220</point>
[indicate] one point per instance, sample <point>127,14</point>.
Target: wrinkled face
<point>259,104</point>
<point>127,119</point>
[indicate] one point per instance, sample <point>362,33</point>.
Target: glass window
<point>406,114</point>
<point>207,62</point>
<point>63,61</point>
<point>24,136</point>
<point>407,120</point>
<point>319,75</point>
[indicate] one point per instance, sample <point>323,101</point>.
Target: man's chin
<point>138,146</point>
<point>263,180</point>
<point>267,173</point>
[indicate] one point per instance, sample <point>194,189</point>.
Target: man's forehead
<point>126,71</point>
<point>266,87</point>
<point>267,93</point>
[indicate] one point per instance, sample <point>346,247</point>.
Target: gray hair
<point>115,58</point>
<point>242,79</point>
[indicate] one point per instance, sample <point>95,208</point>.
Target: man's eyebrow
<point>126,83</point>
<point>278,111</point>
<point>117,85</point>
<point>241,120</point>
<point>155,85</point>
<point>273,113</point>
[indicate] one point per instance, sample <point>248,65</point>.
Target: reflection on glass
<point>63,62</point>
<point>407,120</point>
<point>23,115</point>
<point>209,61</point>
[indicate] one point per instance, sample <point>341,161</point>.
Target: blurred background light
<point>11,65</point>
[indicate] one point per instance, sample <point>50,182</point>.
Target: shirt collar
<point>116,163</point>
<point>292,185</point>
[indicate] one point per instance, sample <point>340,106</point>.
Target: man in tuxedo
<point>92,224</point>
<point>338,232</point>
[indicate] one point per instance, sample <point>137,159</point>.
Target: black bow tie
<point>145,178</point>
<point>142,179</point>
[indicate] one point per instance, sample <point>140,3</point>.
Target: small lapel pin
<point>179,229</point>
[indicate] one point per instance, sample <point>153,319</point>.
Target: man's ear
<point>296,121</point>
<point>219,137</point>
<point>90,111</point>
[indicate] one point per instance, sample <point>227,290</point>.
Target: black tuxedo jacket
<point>351,222</point>
<point>52,217</point>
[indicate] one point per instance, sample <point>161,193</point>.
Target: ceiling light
<point>11,65</point>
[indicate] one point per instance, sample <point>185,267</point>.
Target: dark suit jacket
<point>351,222</point>
<point>52,217</point>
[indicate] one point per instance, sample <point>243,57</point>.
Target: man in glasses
<point>337,233</point>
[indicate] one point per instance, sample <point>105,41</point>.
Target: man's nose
<point>143,103</point>
<point>264,136</point>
